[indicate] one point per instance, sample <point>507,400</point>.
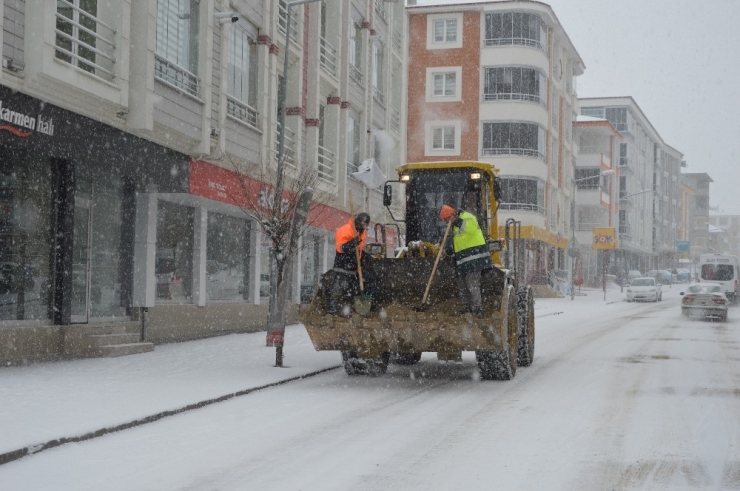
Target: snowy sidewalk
<point>47,401</point>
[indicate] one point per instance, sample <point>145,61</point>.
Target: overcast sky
<point>680,61</point>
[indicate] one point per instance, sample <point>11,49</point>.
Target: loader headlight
<point>475,176</point>
<point>405,178</point>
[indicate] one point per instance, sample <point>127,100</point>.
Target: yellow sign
<point>605,238</point>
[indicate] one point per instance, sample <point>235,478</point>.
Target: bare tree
<point>258,198</point>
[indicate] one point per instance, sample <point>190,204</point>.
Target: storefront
<point>67,209</point>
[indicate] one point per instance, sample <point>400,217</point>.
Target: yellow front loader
<point>398,331</point>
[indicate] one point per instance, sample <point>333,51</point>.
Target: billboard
<point>604,238</point>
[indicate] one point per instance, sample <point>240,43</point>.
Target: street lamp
<point>572,250</point>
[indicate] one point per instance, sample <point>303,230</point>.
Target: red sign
<point>220,184</point>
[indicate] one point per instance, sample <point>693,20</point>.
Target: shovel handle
<point>436,262</point>
<point>354,235</point>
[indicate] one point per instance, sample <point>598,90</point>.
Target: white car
<point>704,300</point>
<point>644,289</point>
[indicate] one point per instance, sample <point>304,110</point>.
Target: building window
<point>26,237</point>
<point>445,31</point>
<point>589,176</point>
<point>445,84</point>
<point>522,194</point>
<point>227,258</point>
<point>173,264</point>
<point>622,120</point>
<point>515,83</point>
<point>242,76</point>
<point>525,139</point>
<point>355,52</point>
<point>176,60</point>
<point>378,73</point>
<point>353,143</point>
<point>514,28</point>
<point>83,40</point>
<point>443,138</point>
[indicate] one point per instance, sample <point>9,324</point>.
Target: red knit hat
<point>446,212</point>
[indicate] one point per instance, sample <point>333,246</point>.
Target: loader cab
<point>428,189</point>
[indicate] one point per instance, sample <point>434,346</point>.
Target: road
<point>620,396</point>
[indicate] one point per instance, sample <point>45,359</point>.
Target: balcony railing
<point>328,56</point>
<point>532,43</point>
<point>378,95</point>
<point>488,97</point>
<point>396,40</point>
<point>326,164</point>
<point>351,167</point>
<point>519,152</point>
<point>395,120</point>
<point>175,75</point>
<point>85,41</point>
<point>289,151</point>
<point>243,112</point>
<point>355,73</point>
<point>380,9</point>
<point>522,207</point>
<point>585,227</point>
<point>283,20</point>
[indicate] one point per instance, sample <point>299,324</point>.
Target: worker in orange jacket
<point>346,282</point>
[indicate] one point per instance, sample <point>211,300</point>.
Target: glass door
<point>81,261</point>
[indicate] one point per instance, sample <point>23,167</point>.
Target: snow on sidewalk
<point>46,401</point>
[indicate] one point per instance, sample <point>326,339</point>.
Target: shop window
<point>26,207</point>
<point>227,258</point>
<point>174,258</point>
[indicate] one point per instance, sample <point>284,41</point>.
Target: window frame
<point>431,129</point>
<point>432,72</point>
<point>432,20</point>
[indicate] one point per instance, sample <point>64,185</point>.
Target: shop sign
<point>18,122</point>
<point>604,238</point>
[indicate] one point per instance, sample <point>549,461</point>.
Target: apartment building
<point>649,186</point>
<point>698,203</point>
<point>596,199</point>
<point>730,226</point>
<point>128,128</point>
<point>499,86</point>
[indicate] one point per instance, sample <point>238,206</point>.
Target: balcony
<point>283,19</point>
<point>290,142</point>
<point>378,96</point>
<point>351,167</point>
<point>328,56</point>
<point>380,9</point>
<point>626,165</point>
<point>396,40</point>
<point>488,97</point>
<point>531,43</point>
<point>522,207</point>
<point>85,41</point>
<point>625,232</point>
<point>326,165</point>
<point>355,74</point>
<point>516,152</point>
<point>170,73</point>
<point>242,112</point>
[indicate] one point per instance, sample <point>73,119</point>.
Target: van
<point>721,269</point>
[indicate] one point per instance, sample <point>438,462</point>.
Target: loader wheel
<point>405,358</point>
<point>525,324</point>
<point>359,366</point>
<point>501,365</point>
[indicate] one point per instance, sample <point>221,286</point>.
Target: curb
<point>34,449</point>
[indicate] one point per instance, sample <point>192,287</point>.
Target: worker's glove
<point>354,242</point>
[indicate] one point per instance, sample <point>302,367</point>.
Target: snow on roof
<point>587,119</point>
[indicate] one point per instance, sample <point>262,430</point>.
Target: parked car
<point>644,289</point>
<point>704,300</point>
<point>633,274</point>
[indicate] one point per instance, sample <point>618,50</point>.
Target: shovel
<point>424,305</point>
<point>362,302</point>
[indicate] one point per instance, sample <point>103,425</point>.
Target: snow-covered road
<point>620,396</point>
